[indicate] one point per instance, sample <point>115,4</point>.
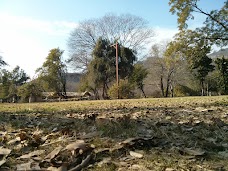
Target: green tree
<point>195,51</point>
<point>103,66</point>
<point>215,27</point>
<point>10,81</point>
<point>201,67</point>
<point>53,72</point>
<point>29,89</point>
<point>5,82</point>
<point>222,67</point>
<point>138,76</point>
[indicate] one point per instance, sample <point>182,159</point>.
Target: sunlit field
<point>189,133</point>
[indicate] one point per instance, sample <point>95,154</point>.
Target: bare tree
<point>166,68</point>
<point>130,31</point>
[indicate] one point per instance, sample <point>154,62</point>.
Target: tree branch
<point>209,15</point>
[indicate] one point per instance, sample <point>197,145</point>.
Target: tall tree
<point>5,81</point>
<point>165,62</point>
<point>222,66</point>
<point>195,51</point>
<point>10,81</point>
<point>130,31</point>
<point>215,27</point>
<point>53,72</point>
<point>103,65</point>
<point>30,89</point>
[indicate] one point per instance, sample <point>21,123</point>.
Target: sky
<point>29,29</point>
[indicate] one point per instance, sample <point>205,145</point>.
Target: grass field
<point>189,133</point>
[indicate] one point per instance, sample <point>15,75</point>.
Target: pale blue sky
<point>30,28</point>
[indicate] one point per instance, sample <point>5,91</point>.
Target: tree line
<point>177,68</point>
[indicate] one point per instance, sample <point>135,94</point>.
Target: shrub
<point>125,90</point>
<point>182,90</point>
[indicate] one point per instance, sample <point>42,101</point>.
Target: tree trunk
<point>162,86</point>
<point>144,94</point>
<point>96,94</point>
<point>172,90</point>
<point>167,87</point>
<point>202,88</point>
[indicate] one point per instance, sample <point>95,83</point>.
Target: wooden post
<point>117,70</point>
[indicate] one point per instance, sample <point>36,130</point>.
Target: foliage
<point>53,72</point>
<point>222,67</point>
<point>138,76</point>
<point>10,81</point>
<point>129,30</point>
<point>215,27</point>
<point>166,62</point>
<point>121,91</point>
<point>18,76</point>
<point>5,84</point>
<point>29,89</point>
<point>102,69</point>
<point>182,90</point>
<point>195,51</point>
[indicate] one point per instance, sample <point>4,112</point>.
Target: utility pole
<point>117,68</point>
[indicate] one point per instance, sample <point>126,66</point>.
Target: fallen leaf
<point>91,135</point>
<point>194,152</point>
<point>4,151</point>
<point>136,155</point>
<point>14,141</point>
<point>169,169</point>
<point>62,168</point>
<point>32,154</point>
<point>2,162</point>
<point>79,144</point>
<point>24,166</point>
<point>52,168</point>
<point>104,161</point>
<point>54,153</point>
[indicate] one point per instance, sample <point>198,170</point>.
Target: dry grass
<point>173,132</point>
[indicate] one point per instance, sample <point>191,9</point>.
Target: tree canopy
<point>53,72</point>
<point>215,27</point>
<point>102,68</point>
<point>130,31</point>
<point>10,81</point>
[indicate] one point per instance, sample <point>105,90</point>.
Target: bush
<point>125,90</point>
<point>182,90</point>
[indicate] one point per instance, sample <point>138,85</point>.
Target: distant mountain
<point>220,53</point>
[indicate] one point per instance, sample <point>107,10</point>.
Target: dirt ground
<point>145,134</point>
